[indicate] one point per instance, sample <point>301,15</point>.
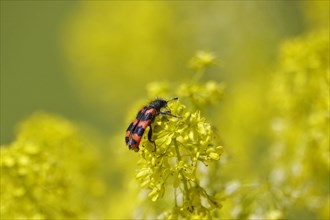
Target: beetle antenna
<point>172,99</point>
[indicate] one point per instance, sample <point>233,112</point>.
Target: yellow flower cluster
<point>301,127</point>
<point>49,172</point>
<point>183,145</point>
<point>202,59</point>
<point>283,174</point>
<point>202,94</point>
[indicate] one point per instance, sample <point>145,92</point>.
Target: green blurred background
<point>33,73</point>
<point>91,61</point>
<point>88,61</point>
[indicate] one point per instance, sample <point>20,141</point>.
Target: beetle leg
<point>168,112</point>
<point>149,137</point>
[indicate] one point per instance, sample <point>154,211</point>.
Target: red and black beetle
<point>144,119</point>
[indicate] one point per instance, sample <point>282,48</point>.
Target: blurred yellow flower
<point>49,171</point>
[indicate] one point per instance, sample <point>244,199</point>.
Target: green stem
<point>175,196</point>
<point>184,180</point>
<point>199,73</point>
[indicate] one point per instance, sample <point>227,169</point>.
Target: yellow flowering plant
<point>184,146</point>
<point>50,171</point>
<point>300,95</point>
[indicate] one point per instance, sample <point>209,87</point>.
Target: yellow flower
<point>202,59</point>
<point>181,144</point>
<point>47,172</point>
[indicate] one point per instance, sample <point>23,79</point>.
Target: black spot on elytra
<point>139,131</point>
<point>141,113</point>
<point>132,142</point>
<point>126,139</point>
<point>130,127</point>
<point>147,117</point>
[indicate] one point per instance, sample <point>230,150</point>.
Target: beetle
<point>143,119</point>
